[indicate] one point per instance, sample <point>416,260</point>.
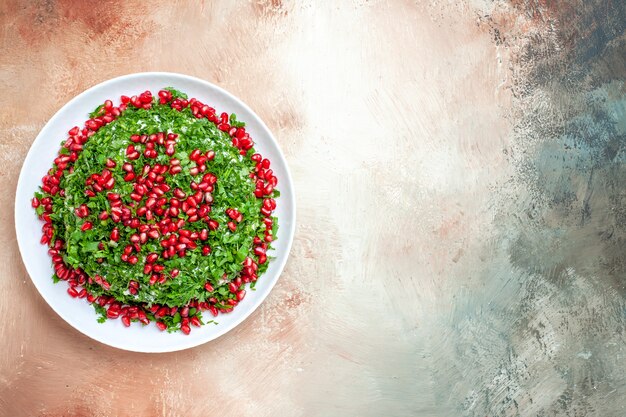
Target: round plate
<point>78,313</point>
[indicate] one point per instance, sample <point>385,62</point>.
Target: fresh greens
<point>217,262</point>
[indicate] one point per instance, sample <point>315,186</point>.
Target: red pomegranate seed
<point>110,163</point>
<point>185,329</point>
<point>240,295</point>
<point>126,321</point>
<point>162,326</point>
<point>161,312</point>
<point>115,234</point>
<point>178,193</point>
<point>195,321</point>
<point>174,273</point>
<point>86,226</point>
<point>113,312</point>
<point>232,226</point>
<point>206,250</point>
<point>109,183</point>
<point>152,257</point>
<point>72,291</point>
<point>103,215</point>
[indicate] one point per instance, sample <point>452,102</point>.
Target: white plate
<point>78,313</point>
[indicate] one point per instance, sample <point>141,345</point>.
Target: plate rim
<point>290,230</point>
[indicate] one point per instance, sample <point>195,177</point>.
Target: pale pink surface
<point>394,118</point>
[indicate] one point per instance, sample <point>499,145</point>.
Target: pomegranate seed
<point>72,291</point>
<point>206,250</point>
<point>126,321</point>
<point>195,321</point>
<point>142,317</point>
<point>162,326</point>
<point>115,234</point>
<point>240,295</point>
<point>232,226</point>
<point>178,193</point>
<point>232,287</point>
<point>161,312</point>
<point>185,329</point>
<point>113,312</point>
<point>86,226</point>
<point>208,287</point>
<point>174,273</point>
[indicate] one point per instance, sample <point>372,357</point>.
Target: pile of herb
<point>157,210</point>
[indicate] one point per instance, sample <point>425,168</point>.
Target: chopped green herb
<point>160,209</point>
